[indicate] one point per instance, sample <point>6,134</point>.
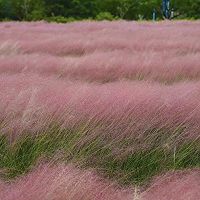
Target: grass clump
<point>67,145</point>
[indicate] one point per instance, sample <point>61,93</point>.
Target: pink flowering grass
<point>120,97</point>
<point>121,109</point>
<point>87,37</point>
<point>107,67</point>
<point>176,185</point>
<point>63,183</point>
<point>67,182</point>
<point>168,52</point>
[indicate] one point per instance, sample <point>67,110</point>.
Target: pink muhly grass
<point>47,79</point>
<point>176,186</point>
<point>123,108</point>
<point>165,52</point>
<point>107,67</point>
<point>34,63</point>
<point>90,81</point>
<point>2,187</point>
<point>68,39</point>
<point>63,183</point>
<point>9,48</point>
<point>119,65</point>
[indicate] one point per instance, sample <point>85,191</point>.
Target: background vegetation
<point>69,10</point>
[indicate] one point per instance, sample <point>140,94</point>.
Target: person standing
<point>154,15</point>
<point>166,9</point>
<point>172,14</point>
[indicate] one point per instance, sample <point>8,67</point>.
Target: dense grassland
<point>100,111</point>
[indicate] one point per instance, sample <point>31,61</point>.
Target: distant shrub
<point>35,15</point>
<point>60,19</point>
<point>105,16</point>
<point>5,20</point>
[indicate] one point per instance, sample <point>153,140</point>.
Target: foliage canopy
<point>93,9</point>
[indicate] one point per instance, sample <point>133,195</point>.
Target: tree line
<point>63,10</point>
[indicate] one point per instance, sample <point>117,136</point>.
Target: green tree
<point>82,9</point>
<point>6,9</point>
<point>189,8</point>
<point>28,9</point>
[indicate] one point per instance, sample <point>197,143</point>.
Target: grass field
<point>100,111</point>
